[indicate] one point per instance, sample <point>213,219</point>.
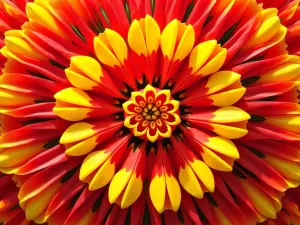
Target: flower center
<point>151,114</point>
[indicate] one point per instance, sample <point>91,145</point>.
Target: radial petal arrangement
<point>152,112</point>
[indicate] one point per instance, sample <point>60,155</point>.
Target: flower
<point>145,111</point>
<point>289,13</point>
<point>10,211</point>
<point>12,17</point>
<point>290,213</point>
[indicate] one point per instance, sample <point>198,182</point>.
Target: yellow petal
<point>12,157</point>
<point>86,218</point>
<point>221,218</point>
<point>14,99</point>
<point>20,46</point>
<point>71,113</point>
<point>39,203</point>
<point>136,39</point>
<point>186,44</point>
<point>266,32</point>
<point>189,182</point>
<point>261,202</point>
<point>214,161</point>
<point>92,162</point>
<point>157,191</point>
<point>215,63</point>
<point>118,184</point>
<point>221,80</point>
<point>103,176</point>
<point>288,122</point>
<point>229,132</point>
<point>74,96</point>
<point>133,191</point>
<point>227,98</point>
<point>79,81</point>
<point>84,147</point>
<point>168,39</point>
<point>77,132</point>
<point>88,66</point>
<point>118,45</point>
<point>223,146</point>
<point>229,114</point>
<point>152,34</point>
<point>285,167</point>
<point>174,192</point>
<point>284,72</point>
<point>200,54</point>
<point>103,53</point>
<point>204,174</point>
<point>41,16</point>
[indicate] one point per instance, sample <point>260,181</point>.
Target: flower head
<point>149,109</point>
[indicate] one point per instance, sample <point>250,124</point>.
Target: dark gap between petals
<point>107,214</point>
<point>208,19</point>
<point>58,65</point>
<point>75,198</point>
<point>97,203</point>
<point>33,121</point>
<point>180,216</point>
<point>246,82</point>
<point>246,171</point>
<point>127,219</point>
<point>238,173</point>
<point>69,175</point>
<point>254,59</point>
<point>283,209</point>
<point>98,23</point>
<point>39,75</point>
<point>176,96</point>
<point>271,98</point>
<point>153,6</point>
<point>169,86</point>
<point>127,93</point>
<point>95,28</point>
<point>143,84</point>
<point>178,133</point>
<point>233,195</point>
<point>162,217</point>
<point>255,152</point>
<point>199,212</point>
<point>188,11</point>
<point>13,208</point>
<point>146,218</point>
<point>124,131</point>
<point>211,199</point>
<point>228,34</point>
<point>119,116</point>
<point>52,143</point>
<point>105,15</point>
<point>39,101</point>
<point>257,119</point>
<point>136,142</point>
<point>151,146</point>
<point>156,83</point>
<point>184,110</point>
<point>166,144</point>
<point>120,102</point>
<point>127,10</point>
<point>78,32</point>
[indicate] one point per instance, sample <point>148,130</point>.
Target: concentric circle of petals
<point>289,13</point>
<point>72,67</point>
